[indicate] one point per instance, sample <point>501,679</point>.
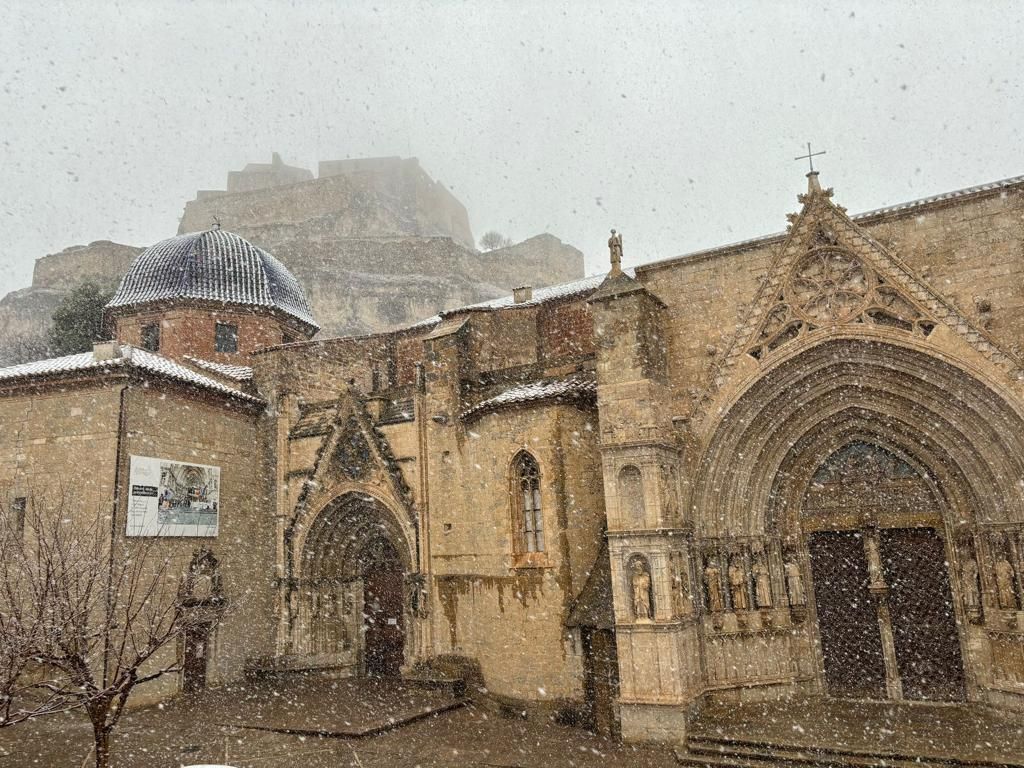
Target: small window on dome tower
<point>226,339</point>
<point>151,337</point>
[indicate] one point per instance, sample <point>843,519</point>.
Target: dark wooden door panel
<point>923,620</point>
<point>383,622</point>
<point>847,618</point>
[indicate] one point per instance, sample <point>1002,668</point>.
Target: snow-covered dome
<point>214,265</point>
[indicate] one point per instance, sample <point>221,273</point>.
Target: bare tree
<point>23,347</point>
<point>90,614</point>
<point>493,239</point>
<point>25,691</point>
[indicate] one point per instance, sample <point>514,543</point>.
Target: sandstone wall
<point>510,616</point>
<point>69,439</point>
<point>968,250</point>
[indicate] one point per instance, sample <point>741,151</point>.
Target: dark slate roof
<point>214,265</point>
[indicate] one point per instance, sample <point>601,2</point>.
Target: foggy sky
<point>675,122</point>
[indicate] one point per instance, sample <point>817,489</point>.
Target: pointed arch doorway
<point>355,564</point>
<point>884,606</point>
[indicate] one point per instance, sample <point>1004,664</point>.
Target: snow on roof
<point>216,265</point>
<point>130,356</point>
<point>579,287</point>
<point>238,372</point>
<point>574,387</point>
<point>965,192</point>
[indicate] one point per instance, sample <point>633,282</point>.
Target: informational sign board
<point>170,498</point>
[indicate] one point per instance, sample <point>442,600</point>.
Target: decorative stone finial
<point>615,252</point>
<point>216,223</point>
<point>812,183</point>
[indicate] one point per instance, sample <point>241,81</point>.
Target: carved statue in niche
<point>972,592</point>
<point>795,584</point>
<point>1005,591</point>
<point>713,581</point>
<point>670,509</point>
<point>738,585</point>
<point>681,598</point>
<point>762,583</point>
<point>416,594</point>
<point>640,580</point>
<point>877,580</point>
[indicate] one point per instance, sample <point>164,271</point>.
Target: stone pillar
<point>445,352</point>
<point>286,413</point>
<point>659,662</point>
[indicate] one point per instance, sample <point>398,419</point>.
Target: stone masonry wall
<point>969,250</point>
<point>68,439</point>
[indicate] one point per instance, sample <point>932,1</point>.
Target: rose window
<point>829,285</point>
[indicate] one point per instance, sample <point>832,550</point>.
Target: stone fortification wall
<point>403,179</point>
<point>25,315</point>
<point>374,197</point>
<point>101,262</point>
<point>262,175</point>
<point>333,205</point>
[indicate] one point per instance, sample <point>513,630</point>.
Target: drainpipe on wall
<point>420,414</point>
<point>118,460</point>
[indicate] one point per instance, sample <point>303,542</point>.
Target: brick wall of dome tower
<point>192,331</point>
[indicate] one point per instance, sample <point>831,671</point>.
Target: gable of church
<point>830,274</point>
<point>352,451</point>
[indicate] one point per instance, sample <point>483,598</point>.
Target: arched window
<point>631,495</point>
<point>526,497</point>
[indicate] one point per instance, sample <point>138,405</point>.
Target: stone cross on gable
<point>809,157</point>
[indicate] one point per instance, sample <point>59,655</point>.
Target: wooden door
<point>851,643</point>
<point>383,624</point>
<point>924,630</point>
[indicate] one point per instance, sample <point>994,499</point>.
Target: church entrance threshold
<point>885,615</point>
<point>837,732</point>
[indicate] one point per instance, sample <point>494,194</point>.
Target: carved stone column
<point>879,591</point>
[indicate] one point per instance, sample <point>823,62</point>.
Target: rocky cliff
<point>375,242</point>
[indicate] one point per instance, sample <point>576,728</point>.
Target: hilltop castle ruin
<point>375,242</point>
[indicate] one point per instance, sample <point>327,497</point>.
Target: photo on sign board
<point>170,498</point>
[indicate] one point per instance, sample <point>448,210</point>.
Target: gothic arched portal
<point>352,569</point>
<point>886,620</point>
<point>876,483</point>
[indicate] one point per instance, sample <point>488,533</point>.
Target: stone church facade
<point>792,467</point>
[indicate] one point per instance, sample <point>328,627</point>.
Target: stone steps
<point>707,751</point>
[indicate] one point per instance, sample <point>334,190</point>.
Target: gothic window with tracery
<point>829,286</point>
<point>529,517</point>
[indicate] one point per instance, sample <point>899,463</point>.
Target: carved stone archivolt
<point>831,286</point>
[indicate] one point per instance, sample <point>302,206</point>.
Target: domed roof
<point>214,265</point>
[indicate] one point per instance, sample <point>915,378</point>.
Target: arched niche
<point>631,496</point>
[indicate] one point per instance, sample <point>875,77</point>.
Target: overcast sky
<point>675,122</point>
